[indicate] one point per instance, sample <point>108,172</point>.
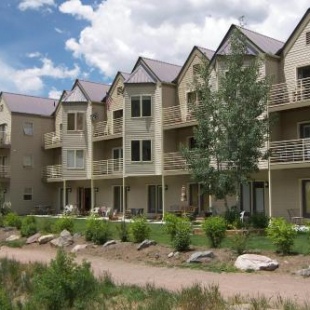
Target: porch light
<point>166,187</point>
<point>183,193</point>
<point>127,188</point>
<point>266,184</point>
<point>69,189</point>
<point>96,189</point>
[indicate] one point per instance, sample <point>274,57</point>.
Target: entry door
<point>155,199</point>
<point>118,198</point>
<point>259,197</point>
<point>84,199</point>
<point>306,198</point>
<point>117,155</point>
<point>197,198</point>
<point>253,197</point>
<point>304,133</point>
<point>3,163</point>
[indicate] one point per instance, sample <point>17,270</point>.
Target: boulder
<point>201,257</point>
<point>34,238</point>
<point>255,262</point>
<point>79,247</point>
<point>145,244</point>
<point>173,254</point>
<point>12,238</point>
<point>108,243</point>
<point>303,272</point>
<point>46,238</point>
<point>65,239</point>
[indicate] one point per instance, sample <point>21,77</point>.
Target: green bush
<point>259,220</point>
<point>282,234</point>
<point>65,222</point>
<point>232,216</point>
<point>182,238</point>
<point>139,229</point>
<point>123,232</point>
<point>46,225</point>
<point>29,226</point>
<point>12,220</point>
<point>215,229</point>
<point>97,230</point>
<point>65,284</point>
<point>239,242</point>
<point>171,221</point>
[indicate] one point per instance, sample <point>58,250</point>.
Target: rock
<point>170,254</point>
<point>46,238</point>
<point>110,242</point>
<point>34,238</point>
<point>79,247</point>
<point>199,257</point>
<point>176,254</point>
<point>255,262</point>
<point>145,244</point>
<point>303,272</point>
<point>65,239</point>
<point>12,238</point>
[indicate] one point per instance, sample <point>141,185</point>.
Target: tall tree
<point>232,121</point>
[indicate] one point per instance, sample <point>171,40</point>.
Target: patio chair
<point>295,217</point>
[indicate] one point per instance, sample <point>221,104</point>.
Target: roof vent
<point>308,38</point>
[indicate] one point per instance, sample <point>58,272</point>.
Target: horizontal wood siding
<point>273,69</point>
<point>5,116</point>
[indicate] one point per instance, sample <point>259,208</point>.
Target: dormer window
<point>308,38</point>
<point>75,121</point>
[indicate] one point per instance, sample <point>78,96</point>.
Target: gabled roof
<point>124,76</point>
<point>141,75</point>
<point>207,52</point>
<point>164,72</point>
<point>294,32</point>
<point>94,91</point>
<point>29,104</point>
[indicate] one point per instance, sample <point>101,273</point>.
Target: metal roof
<point>29,104</point>
<point>95,91</point>
<point>140,75</point>
<point>207,52</point>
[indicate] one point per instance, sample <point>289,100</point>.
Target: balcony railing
<point>290,151</point>
<point>107,128</point>
<point>108,167</point>
<point>173,115</point>
<point>51,140</point>
<point>174,161</point>
<point>5,138</point>
<point>290,92</point>
<point>53,172</point>
<point>4,171</point>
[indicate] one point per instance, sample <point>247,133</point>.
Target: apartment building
<point>119,145</point>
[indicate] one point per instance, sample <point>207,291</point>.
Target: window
<point>196,69</point>
<point>75,121</point>
<point>141,106</point>
<point>28,128</point>
<point>27,193</point>
<point>191,97</point>
<point>120,90</point>
<point>27,161</point>
<point>308,38</point>
<point>191,142</point>
<point>141,150</point>
<point>75,159</point>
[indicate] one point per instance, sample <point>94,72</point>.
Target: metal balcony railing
<point>108,167</point>
<point>107,128</point>
<point>5,138</point>
<point>173,115</point>
<point>4,171</point>
<point>52,139</point>
<point>52,172</point>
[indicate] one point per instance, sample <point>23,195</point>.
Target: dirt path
<point>265,283</point>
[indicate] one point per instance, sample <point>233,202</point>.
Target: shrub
<point>232,216</point>
<point>65,222</point>
<point>46,225</point>
<point>139,229</point>
<point>182,238</point>
<point>259,220</point>
<point>97,230</point>
<point>6,208</point>
<point>282,234</point>
<point>13,220</point>
<point>29,226</point>
<point>65,284</point>
<point>171,221</point>
<point>239,242</point>
<point>215,229</point>
<point>123,231</point>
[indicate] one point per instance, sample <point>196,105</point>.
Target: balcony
<point>5,139</point>
<point>290,154</point>
<point>108,129</point>
<point>52,140</point>
<point>52,173</point>
<point>175,163</point>
<point>175,117</point>
<point>109,168</point>
<point>4,172</point>
<point>291,94</point>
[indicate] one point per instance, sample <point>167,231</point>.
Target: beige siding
<point>58,120</point>
<point>5,116</point>
<point>103,149</point>
<point>273,69</point>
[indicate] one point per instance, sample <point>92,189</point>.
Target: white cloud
<point>35,4</point>
<point>120,30</point>
<point>54,93</point>
<point>58,30</point>
<point>31,80</point>
<point>34,55</point>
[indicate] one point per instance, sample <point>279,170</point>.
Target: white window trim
<point>27,130</point>
<point>299,124</point>
<point>141,151</point>
<point>30,193</point>
<point>75,121</point>
<point>28,161</point>
<point>74,167</point>
<point>140,96</point>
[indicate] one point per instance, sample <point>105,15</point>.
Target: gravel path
<point>264,283</point>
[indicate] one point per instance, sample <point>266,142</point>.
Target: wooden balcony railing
<point>4,172</point>
<point>108,167</point>
<point>107,128</point>
<point>173,115</point>
<point>52,172</point>
<point>52,139</point>
<point>290,151</point>
<point>290,92</point>
<point>5,138</point>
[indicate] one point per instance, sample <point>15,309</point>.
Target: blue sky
<point>47,44</point>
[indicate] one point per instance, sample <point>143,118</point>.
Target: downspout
<point>124,152</point>
<point>162,161</point>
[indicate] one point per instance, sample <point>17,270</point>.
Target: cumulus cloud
<point>35,4</point>
<point>54,93</point>
<point>119,31</point>
<point>31,80</point>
